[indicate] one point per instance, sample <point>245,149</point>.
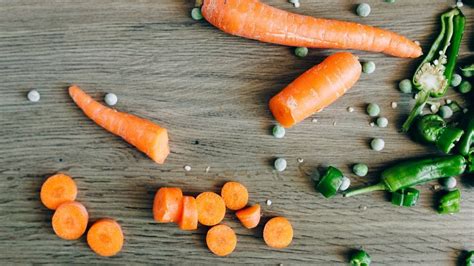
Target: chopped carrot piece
<point>249,217</point>
<point>278,232</point>
<point>235,195</point>
<point>70,220</point>
<point>211,208</point>
<point>58,189</point>
<point>168,205</point>
<point>189,218</point>
<point>221,240</point>
<point>105,237</point>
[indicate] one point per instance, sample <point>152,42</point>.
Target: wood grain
<point>211,91</point>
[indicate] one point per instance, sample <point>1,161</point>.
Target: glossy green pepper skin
<point>330,182</point>
<point>450,203</point>
<point>360,258</point>
<point>433,129</point>
<point>407,197</point>
<point>466,142</point>
<point>414,172</point>
<point>470,259</point>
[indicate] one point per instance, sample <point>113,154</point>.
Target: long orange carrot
<point>105,237</point>
<point>255,20</point>
<point>70,220</point>
<point>141,133</point>
<point>316,88</point>
<point>58,189</point>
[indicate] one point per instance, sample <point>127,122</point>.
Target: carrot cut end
<point>249,217</point>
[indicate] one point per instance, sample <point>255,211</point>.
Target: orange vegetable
<point>189,218</point>
<point>255,20</point>
<point>315,89</point>
<point>249,217</point>
<point>235,195</point>
<point>70,220</point>
<point>211,208</point>
<point>58,189</point>
<point>278,232</point>
<point>221,240</point>
<point>146,136</point>
<point>105,237</point>
<point>168,205</point>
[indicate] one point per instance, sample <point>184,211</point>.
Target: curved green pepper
<point>407,197</point>
<point>450,203</point>
<point>330,182</point>
<point>468,138</point>
<point>414,172</point>
<point>360,258</point>
<point>433,129</point>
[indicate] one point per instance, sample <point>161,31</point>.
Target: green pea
<point>382,122</point>
<point>445,112</point>
<point>456,80</point>
<point>360,169</point>
<point>278,131</point>
<point>368,67</point>
<point>363,10</point>
<point>301,52</point>
<point>390,1</point>
<point>373,109</point>
<point>465,87</point>
<point>405,86</point>
<point>196,13</point>
<point>377,144</point>
<point>280,164</point>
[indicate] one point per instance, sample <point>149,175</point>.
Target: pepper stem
<point>376,187</point>
<point>417,109</point>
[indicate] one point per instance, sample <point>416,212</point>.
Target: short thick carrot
<point>58,189</point>
<point>189,217</point>
<point>235,195</point>
<point>105,237</point>
<point>211,208</point>
<point>249,217</point>
<point>278,232</point>
<point>221,240</point>
<point>315,89</point>
<point>168,205</point>
<point>70,220</point>
<point>145,135</point>
<point>255,20</point>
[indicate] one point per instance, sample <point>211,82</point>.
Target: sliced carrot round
<point>189,218</point>
<point>278,232</point>
<point>211,208</point>
<point>167,206</point>
<point>221,240</point>
<point>105,237</point>
<point>249,217</point>
<point>70,220</point>
<point>58,189</point>
<point>235,195</point>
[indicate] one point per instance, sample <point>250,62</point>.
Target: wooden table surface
<point>211,91</point>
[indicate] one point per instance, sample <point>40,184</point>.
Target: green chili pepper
<point>468,70</point>
<point>414,172</point>
<point>470,258</point>
<point>433,129</point>
<point>434,74</point>
<point>407,197</point>
<point>360,258</point>
<point>330,182</point>
<point>468,138</point>
<point>450,203</point>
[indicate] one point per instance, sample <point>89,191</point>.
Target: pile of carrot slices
<point>70,218</point>
<point>209,208</point>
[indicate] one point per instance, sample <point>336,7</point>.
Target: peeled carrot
<point>70,220</point>
<point>255,20</point>
<point>278,232</point>
<point>249,217</point>
<point>145,135</point>
<point>315,89</point>
<point>235,195</point>
<point>105,237</point>
<point>58,189</point>
<point>211,208</point>
<point>221,240</point>
<point>168,205</point>
<point>189,217</point>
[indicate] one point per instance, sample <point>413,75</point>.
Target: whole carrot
<point>255,20</point>
<point>145,135</point>
<point>316,88</point>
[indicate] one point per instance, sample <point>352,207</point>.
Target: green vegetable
<point>465,87</point>
<point>405,86</point>
<point>330,182</point>
<point>445,112</point>
<point>278,131</point>
<point>468,138</point>
<point>407,197</point>
<point>360,258</point>
<point>382,122</point>
<point>456,80</point>
<point>450,203</point>
<point>390,1</point>
<point>196,13</point>
<point>360,169</point>
<point>377,144</point>
<point>455,107</point>
<point>433,129</point>
<point>373,109</point>
<point>434,74</point>
<point>470,258</point>
<point>449,182</point>
<point>280,164</point>
<point>414,172</point>
<point>468,71</point>
<point>301,52</point>
<point>368,67</point>
<point>346,183</point>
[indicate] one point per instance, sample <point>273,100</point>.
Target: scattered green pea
<point>467,73</point>
<point>346,183</point>
<point>280,164</point>
<point>278,131</point>
<point>196,13</point>
<point>373,109</point>
<point>368,67</point>
<point>449,182</point>
<point>390,1</point>
<point>301,52</point>
<point>456,80</point>
<point>377,144</point>
<point>405,86</point>
<point>363,10</point>
<point>382,122</point>
<point>445,112</point>
<point>360,169</point>
<point>465,87</point>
